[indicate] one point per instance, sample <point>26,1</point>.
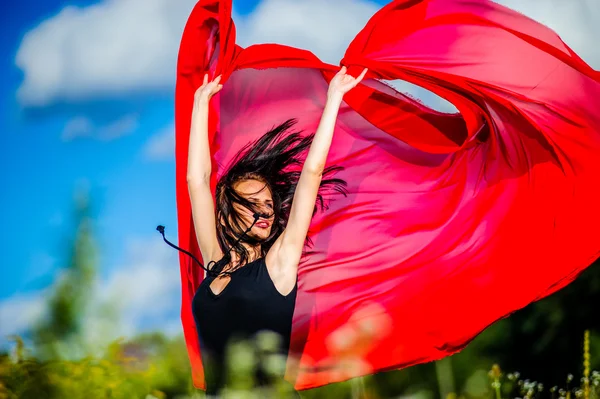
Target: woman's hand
<point>343,83</point>
<point>207,90</point>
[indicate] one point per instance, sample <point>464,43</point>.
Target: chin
<point>262,234</point>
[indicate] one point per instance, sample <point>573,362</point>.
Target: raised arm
<point>288,250</point>
<point>198,173</point>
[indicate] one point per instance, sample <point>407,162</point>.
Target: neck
<point>254,252</point>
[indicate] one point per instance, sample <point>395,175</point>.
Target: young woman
<point>255,238</point>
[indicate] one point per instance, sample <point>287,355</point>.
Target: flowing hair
<point>275,159</point>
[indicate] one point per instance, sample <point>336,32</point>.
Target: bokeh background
<point>89,293</point>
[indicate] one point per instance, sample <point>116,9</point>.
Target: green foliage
<point>133,369</point>
<point>543,340</point>
<point>153,366</point>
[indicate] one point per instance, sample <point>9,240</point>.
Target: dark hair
<point>276,159</point>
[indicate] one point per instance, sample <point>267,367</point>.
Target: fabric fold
<point>446,213</point>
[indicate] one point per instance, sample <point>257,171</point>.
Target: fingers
<point>215,85</point>
<point>216,81</point>
<point>362,75</point>
<point>208,88</point>
<point>342,72</point>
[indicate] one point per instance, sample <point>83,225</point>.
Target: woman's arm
<point>288,249</point>
<point>198,173</point>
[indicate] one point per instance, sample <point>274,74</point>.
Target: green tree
<point>59,333</point>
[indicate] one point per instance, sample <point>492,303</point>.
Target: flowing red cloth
<point>452,221</point>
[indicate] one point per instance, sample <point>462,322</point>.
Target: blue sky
<point>87,99</point>
<point>64,127</point>
<point>41,169</point>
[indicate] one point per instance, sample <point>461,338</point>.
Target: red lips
<point>263,225</point>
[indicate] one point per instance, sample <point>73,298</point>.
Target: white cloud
<point>143,293</point>
<point>111,47</point>
<point>161,146</point>
<point>20,312</point>
<point>148,280</point>
<point>576,22</point>
<point>121,46</point>
<point>83,127</point>
<point>77,127</point>
<point>119,128</point>
<point>425,96</point>
<point>324,27</point>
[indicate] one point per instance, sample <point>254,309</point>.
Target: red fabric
<point>453,221</point>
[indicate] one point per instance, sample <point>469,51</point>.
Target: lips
<point>263,225</point>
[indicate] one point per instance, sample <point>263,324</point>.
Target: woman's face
<point>260,194</point>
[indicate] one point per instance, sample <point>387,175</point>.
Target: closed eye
<point>268,203</point>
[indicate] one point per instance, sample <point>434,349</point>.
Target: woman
<point>443,202</point>
<point>255,239</point>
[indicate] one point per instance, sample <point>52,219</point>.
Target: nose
<point>265,215</point>
<point>266,212</point>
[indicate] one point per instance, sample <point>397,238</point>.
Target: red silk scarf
<point>452,221</point>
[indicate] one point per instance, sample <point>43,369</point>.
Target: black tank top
<point>249,303</point>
